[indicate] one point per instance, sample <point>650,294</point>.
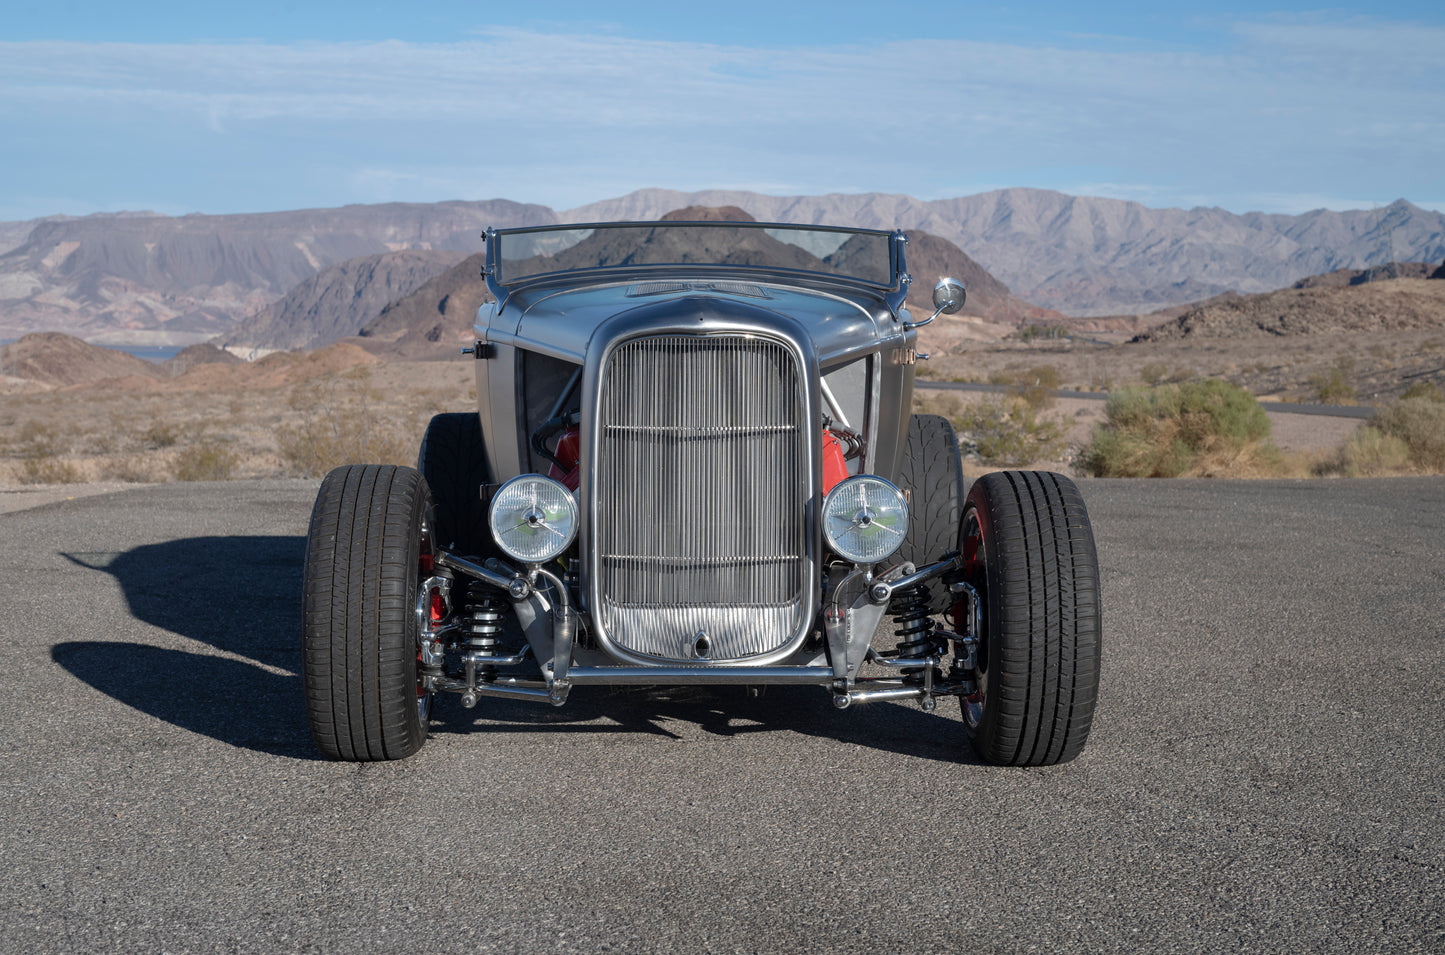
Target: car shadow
<point>242,596</point>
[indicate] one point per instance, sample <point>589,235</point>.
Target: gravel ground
<point>1265,772</point>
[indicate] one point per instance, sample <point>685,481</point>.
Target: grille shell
<point>700,514</point>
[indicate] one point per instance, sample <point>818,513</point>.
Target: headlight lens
<point>865,519</point>
<point>533,518</point>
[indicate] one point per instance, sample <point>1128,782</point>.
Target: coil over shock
<point>482,625</point>
<point>912,622</point>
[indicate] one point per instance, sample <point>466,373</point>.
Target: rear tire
<point>932,474</point>
<point>453,458</point>
<point>364,556</point>
<point>1028,549</point>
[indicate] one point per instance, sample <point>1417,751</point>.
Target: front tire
<point>1028,550</point>
<point>368,541</point>
<point>932,473</point>
<point>453,459</point>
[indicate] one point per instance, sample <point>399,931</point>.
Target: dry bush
<point>1369,452</point>
<point>1035,386</point>
<point>1334,387</point>
<point>42,451</point>
<point>1010,433</point>
<point>48,469</point>
<point>1208,428</point>
<point>132,469</point>
<point>161,434</point>
<point>1420,424</point>
<point>340,424</point>
<point>1000,430</point>
<point>1031,333</point>
<point>1424,389</point>
<point>206,460</point>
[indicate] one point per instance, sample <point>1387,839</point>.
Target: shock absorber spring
<point>912,621</point>
<point>483,625</point>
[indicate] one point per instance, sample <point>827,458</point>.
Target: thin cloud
<point>561,117</point>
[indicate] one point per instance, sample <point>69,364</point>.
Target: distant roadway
<point>1331,411</point>
<point>1266,771</point>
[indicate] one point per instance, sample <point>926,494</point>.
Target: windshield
<point>865,256</point>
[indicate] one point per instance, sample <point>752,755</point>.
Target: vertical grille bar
<point>701,496</point>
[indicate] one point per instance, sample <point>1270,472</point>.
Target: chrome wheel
<point>975,571</point>
<point>426,562</point>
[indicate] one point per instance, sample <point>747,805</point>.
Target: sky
<point>266,105</point>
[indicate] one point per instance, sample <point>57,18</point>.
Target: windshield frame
<point>501,286</point>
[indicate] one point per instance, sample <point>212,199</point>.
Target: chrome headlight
<point>533,518</point>
<point>865,518</point>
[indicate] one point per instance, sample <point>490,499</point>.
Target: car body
<point>694,462</point>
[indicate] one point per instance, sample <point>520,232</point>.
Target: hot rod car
<point>694,463</point>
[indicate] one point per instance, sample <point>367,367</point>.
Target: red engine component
<point>835,468</point>
<point>569,452</point>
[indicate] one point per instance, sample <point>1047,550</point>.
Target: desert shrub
<point>1369,452</point>
<point>1031,333</point>
<point>1003,430</point>
<point>340,424</point>
<point>937,402</point>
<point>206,460</point>
<point>1202,428</point>
<point>42,452</point>
<point>48,469</point>
<point>1424,389</point>
<point>1154,372</point>
<point>1420,424</point>
<point>161,435</point>
<point>1009,432</point>
<point>1034,385</point>
<point>130,468</point>
<point>1333,387</point>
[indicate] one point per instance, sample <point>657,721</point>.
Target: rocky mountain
<point>58,360</point>
<point>193,355</point>
<point>1375,273</point>
<point>337,301</point>
<point>14,234</point>
<point>1093,256</point>
<point>1391,305</point>
<point>169,280</point>
<point>438,316</point>
<point>930,258</point>
<point>147,279</point>
<point>433,320</point>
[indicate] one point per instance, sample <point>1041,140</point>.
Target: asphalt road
<point>1265,772</point>
<point>1280,407</point>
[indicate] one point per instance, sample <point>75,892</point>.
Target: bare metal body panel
<point>863,349</point>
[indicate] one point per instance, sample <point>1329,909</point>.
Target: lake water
<point>151,353</point>
<point>156,354</point>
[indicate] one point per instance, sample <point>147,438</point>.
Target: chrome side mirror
<point>948,297</point>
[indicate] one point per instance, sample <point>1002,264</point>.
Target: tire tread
<point>1044,622</point>
<point>932,472</point>
<point>359,660</point>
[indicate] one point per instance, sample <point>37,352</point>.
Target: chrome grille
<point>700,509</point>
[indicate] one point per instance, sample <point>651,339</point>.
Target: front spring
<point>912,622</point>
<point>483,625</point>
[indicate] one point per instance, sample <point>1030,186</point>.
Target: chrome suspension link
<point>482,625</point>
